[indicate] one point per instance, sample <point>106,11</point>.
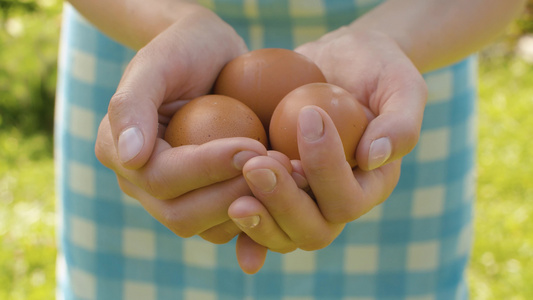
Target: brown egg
<point>261,78</point>
<point>213,117</point>
<point>345,111</point>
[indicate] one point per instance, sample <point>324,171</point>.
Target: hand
<point>376,71</point>
<point>383,79</point>
<point>190,188</point>
<point>180,63</point>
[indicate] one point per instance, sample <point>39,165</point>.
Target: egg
<point>211,117</point>
<point>261,78</point>
<point>346,112</point>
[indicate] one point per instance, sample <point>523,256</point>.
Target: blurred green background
<point>502,262</point>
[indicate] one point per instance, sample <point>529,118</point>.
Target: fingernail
<point>380,151</point>
<point>130,143</point>
<point>311,124</point>
<point>263,179</point>
<point>247,222</point>
<point>242,157</point>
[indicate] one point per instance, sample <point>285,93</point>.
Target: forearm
<point>134,22</point>
<point>435,33</point>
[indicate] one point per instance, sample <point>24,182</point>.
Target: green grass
<point>502,263</point>
<point>27,217</point>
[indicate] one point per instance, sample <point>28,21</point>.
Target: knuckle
<point>206,168</point>
<point>104,146</point>
<point>177,223</point>
<point>316,242</point>
<point>312,246</point>
<point>126,187</point>
<point>100,152</point>
<point>286,249</point>
<point>217,237</point>
<point>119,103</point>
<point>423,87</point>
<point>412,135</point>
<point>347,214</point>
<point>156,185</point>
<point>156,189</point>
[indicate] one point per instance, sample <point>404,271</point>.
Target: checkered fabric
<point>415,246</point>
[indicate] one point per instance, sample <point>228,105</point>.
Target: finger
<point>338,194</point>
<point>171,172</point>
<point>293,167</point>
<point>342,194</point>
<point>250,255</point>
<point>192,213</point>
<point>292,208</point>
<point>399,109</point>
<point>282,159</point>
<point>377,185</point>
<point>166,70</point>
<point>298,175</point>
<point>253,219</point>
<point>133,112</point>
<point>222,233</point>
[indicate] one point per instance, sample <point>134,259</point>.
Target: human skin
<point>390,48</point>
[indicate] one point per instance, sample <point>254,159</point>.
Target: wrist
<point>435,33</point>
<point>202,36</point>
<point>164,16</point>
<point>135,23</point>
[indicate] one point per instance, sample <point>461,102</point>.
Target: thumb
<point>176,64</point>
<point>133,113</point>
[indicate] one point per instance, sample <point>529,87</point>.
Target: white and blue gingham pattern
<point>415,246</point>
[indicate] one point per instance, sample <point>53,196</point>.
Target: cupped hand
<point>180,63</point>
<point>189,188</point>
<point>282,217</point>
<point>309,207</point>
<point>373,67</point>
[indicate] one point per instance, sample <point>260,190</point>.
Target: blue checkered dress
<point>414,246</point>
